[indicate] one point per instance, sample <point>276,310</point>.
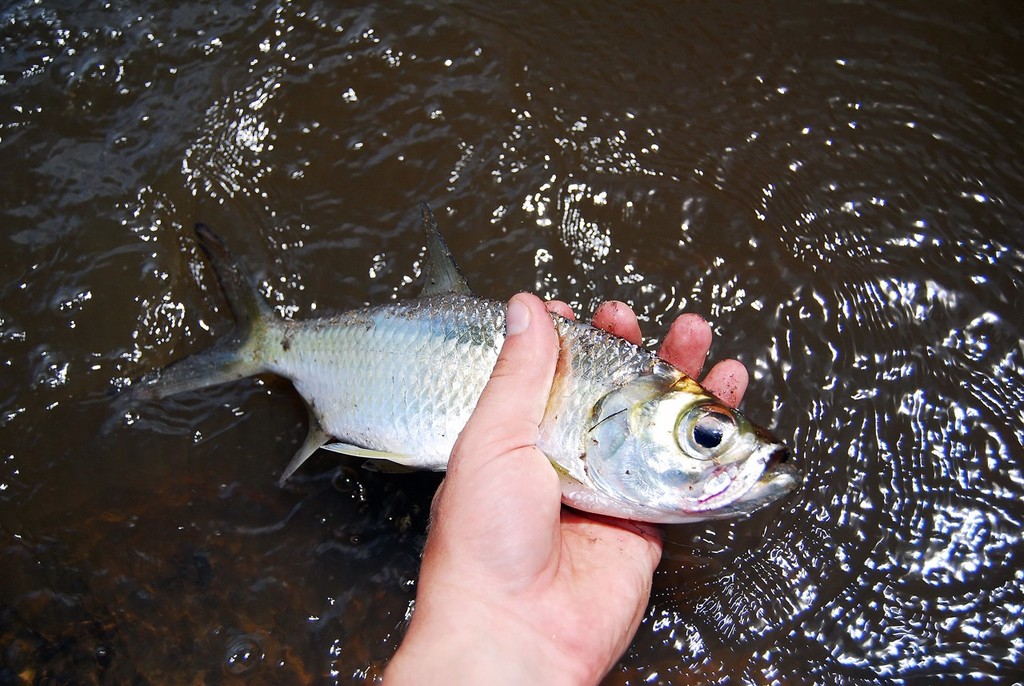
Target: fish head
<point>663,449</point>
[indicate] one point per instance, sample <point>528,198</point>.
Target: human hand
<point>514,588</point>
<point>686,346</point>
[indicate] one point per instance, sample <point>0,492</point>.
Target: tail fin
<point>236,357</point>
<point>245,302</point>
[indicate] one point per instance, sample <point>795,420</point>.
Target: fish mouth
<point>740,489</point>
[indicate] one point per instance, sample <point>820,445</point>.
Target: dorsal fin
<point>442,275</point>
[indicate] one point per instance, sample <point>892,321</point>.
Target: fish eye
<point>708,431</point>
<point>705,430</point>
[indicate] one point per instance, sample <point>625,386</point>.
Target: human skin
<point>513,587</point>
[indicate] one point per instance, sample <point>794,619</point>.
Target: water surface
<point>838,187</point>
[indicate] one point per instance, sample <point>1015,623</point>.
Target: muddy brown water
<point>837,186</point>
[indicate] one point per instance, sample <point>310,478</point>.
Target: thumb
<point>499,501</point>
<point>508,415</point>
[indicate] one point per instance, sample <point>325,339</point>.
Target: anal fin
<point>315,438</point>
<point>388,467</point>
<point>369,453</point>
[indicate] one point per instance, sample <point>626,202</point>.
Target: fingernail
<point>517,317</point>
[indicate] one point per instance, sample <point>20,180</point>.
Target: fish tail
<point>241,354</point>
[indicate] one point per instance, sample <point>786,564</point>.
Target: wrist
<point>486,649</point>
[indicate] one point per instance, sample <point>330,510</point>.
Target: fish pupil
<point>707,433</point>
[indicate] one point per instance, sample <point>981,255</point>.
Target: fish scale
<point>404,378</point>
<point>399,378</point>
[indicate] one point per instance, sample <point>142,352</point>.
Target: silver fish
<point>630,435</point>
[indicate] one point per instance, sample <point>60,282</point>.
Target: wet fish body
<point>629,434</point>
<point>408,375</point>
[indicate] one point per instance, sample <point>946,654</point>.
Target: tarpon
<point>630,435</point>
